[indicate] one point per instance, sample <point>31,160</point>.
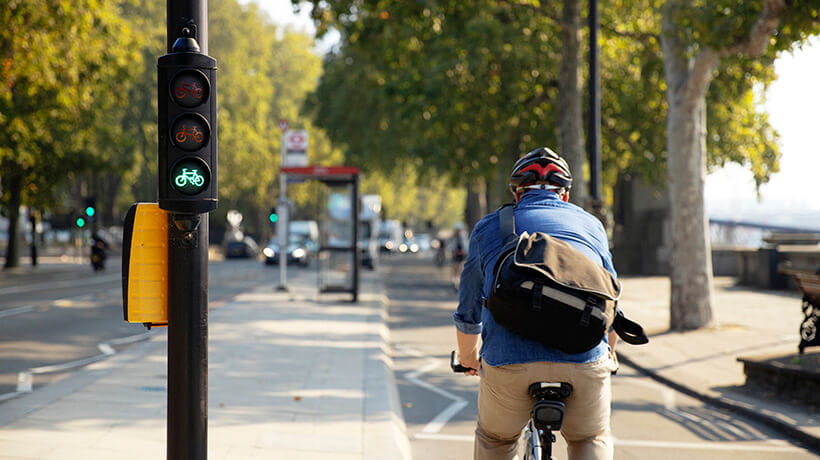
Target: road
<point>61,316</point>
<point>649,421</point>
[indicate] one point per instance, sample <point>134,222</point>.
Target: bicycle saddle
<point>550,390</point>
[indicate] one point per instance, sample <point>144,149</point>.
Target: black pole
<point>187,13</point>
<point>356,254</point>
<point>32,218</point>
<point>187,430</point>
<point>594,133</point>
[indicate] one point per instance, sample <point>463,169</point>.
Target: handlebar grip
<point>458,367</point>
<point>462,369</point>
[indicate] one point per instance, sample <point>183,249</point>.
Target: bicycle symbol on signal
<point>186,176</point>
<point>184,133</point>
<point>191,89</point>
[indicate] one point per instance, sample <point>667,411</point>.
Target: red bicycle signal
<point>188,89</point>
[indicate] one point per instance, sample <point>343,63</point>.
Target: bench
<point>809,284</point>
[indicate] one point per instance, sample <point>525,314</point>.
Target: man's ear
<point>565,196</point>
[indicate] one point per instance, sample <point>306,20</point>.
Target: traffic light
<point>90,209</point>
<point>187,129</point>
<point>273,217</point>
<point>80,222</point>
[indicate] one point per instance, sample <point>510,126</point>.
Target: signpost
<point>293,153</point>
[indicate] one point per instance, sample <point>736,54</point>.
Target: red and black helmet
<point>541,165</point>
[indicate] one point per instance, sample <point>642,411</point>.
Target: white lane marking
<point>437,423</point>
<point>7,396</point>
<point>59,284</point>
<point>637,443</point>
<point>25,379</point>
<point>17,311</point>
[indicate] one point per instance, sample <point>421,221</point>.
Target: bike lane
<point>649,420</point>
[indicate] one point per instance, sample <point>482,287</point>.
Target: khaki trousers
<point>504,408</point>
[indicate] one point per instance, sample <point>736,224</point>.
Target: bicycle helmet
<point>541,165</point>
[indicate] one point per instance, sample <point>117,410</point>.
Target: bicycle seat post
<point>548,411</point>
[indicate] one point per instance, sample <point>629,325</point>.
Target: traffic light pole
<point>187,420</point>
<point>282,232</point>
<point>187,428</point>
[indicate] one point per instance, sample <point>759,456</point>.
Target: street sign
<point>296,140</point>
<point>295,152</point>
<point>234,217</point>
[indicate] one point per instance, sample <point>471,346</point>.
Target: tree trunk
<point>476,206</point>
<point>13,182</point>
<point>690,262</point>
<point>107,206</point>
<point>570,117</point>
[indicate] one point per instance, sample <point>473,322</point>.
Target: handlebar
<point>457,367</point>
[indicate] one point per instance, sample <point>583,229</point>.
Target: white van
<point>308,228</point>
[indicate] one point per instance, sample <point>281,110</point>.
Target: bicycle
<point>546,417</point>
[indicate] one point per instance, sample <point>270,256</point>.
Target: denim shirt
<point>538,211</point>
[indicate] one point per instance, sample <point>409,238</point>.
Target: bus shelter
<point>338,255</point>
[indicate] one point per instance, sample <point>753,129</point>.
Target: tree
<point>458,89</point>
<point>695,39</point>
<point>61,66</point>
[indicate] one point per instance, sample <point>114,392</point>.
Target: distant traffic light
<point>273,217</point>
<point>90,210</point>
<point>80,222</point>
<point>187,129</point>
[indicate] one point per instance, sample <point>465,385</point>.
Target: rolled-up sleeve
<point>467,317</point>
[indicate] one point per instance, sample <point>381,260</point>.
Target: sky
<point>793,104</point>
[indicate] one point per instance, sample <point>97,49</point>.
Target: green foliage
<point>738,130</point>
<point>452,87</point>
<point>62,74</point>
<point>464,87</point>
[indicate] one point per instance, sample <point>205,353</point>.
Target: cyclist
<point>540,182</point>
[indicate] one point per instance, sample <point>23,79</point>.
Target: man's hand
<point>470,361</point>
<point>468,351</point>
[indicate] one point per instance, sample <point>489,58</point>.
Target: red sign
<point>296,140</point>
<point>322,171</point>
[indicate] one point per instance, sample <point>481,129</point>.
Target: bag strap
<point>506,223</point>
<point>628,330</point>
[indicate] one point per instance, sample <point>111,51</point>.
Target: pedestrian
<point>508,363</point>
<point>458,253</point>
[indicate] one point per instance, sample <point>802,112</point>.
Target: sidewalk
<point>292,375</point>
<point>704,363</point>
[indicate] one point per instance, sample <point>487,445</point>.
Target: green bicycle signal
<point>190,176</point>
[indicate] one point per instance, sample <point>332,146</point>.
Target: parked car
<point>390,235</point>
<point>241,249</point>
<point>300,251</point>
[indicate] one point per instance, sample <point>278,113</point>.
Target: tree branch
<point>755,43</point>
